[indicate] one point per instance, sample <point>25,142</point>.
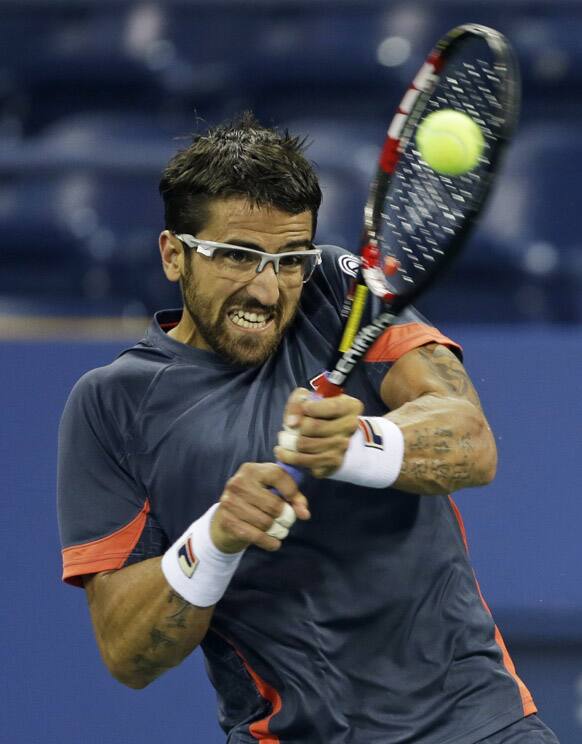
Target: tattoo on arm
<point>181,611</point>
<point>148,664</point>
<point>446,366</point>
<point>159,638</point>
<point>147,667</point>
<point>432,455</point>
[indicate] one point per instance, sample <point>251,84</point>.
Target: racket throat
<point>375,268</point>
<point>360,345</point>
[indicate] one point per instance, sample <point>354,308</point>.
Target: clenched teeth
<point>249,320</point>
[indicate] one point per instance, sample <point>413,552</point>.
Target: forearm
<point>143,627</point>
<point>448,445</point>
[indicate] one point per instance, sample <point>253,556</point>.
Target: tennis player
<point>340,611</point>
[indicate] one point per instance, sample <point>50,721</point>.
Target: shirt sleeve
<point>103,512</point>
<point>409,331</point>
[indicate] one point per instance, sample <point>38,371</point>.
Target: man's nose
<point>265,286</point>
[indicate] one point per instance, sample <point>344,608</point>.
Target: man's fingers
<point>253,484</point>
<point>317,445</point>
<point>252,480</point>
<point>287,489</point>
<point>247,512</point>
<point>318,427</point>
<point>288,439</point>
<point>303,403</point>
<point>294,409</point>
<point>246,533</point>
<point>327,461</point>
<point>332,408</point>
<point>300,506</point>
<point>258,506</point>
<point>282,524</point>
<point>248,523</point>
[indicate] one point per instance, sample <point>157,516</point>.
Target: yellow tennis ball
<point>450,142</point>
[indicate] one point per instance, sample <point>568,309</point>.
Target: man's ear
<point>172,254</point>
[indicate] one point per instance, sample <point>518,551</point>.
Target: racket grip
<point>325,389</point>
<point>288,439</point>
<point>290,443</point>
<point>295,473</point>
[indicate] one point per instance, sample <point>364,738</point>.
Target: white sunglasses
<point>242,264</point>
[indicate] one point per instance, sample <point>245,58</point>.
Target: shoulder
<point>115,391</point>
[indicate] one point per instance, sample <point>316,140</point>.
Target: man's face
<point>244,322</point>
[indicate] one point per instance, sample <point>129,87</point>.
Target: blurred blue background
<point>94,99</point>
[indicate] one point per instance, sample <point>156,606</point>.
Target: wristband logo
<point>372,433</point>
<point>186,558</point>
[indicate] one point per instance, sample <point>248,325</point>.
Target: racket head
<point>418,219</point>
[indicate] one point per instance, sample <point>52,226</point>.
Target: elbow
<point>138,670</point>
<point>135,680</point>
<point>489,470</point>
<point>134,683</point>
<point>488,459</point>
<point>136,673</point>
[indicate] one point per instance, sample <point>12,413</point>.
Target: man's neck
<point>186,332</point>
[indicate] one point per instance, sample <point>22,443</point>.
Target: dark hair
<point>240,158</point>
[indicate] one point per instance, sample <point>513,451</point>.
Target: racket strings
<point>423,210</point>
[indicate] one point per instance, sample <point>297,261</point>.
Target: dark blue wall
<point>523,532</point>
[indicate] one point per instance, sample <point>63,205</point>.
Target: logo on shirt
<point>372,433</point>
<point>349,264</point>
<point>186,558</point>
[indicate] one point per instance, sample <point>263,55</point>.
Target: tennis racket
<point>416,220</point>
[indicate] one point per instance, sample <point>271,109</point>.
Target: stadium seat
<point>531,225</point>
<point>82,235</point>
<point>41,255</point>
<point>81,58</point>
<point>127,140</point>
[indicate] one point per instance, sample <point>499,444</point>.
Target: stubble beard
<point>240,349</point>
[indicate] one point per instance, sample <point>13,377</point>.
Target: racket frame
<point>355,343</point>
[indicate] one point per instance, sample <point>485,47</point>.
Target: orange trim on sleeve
<point>106,554</point>
<point>527,702</point>
<point>398,339</point>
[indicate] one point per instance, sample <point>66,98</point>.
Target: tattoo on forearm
<point>159,638</point>
<point>148,664</point>
<point>438,441</point>
<point>147,667</point>
<point>180,611</point>
<point>466,443</point>
<point>421,441</point>
<point>450,476</point>
<point>439,456</point>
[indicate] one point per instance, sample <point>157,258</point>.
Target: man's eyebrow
<point>304,245</point>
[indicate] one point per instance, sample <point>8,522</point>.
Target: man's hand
<point>248,508</point>
<point>324,427</point>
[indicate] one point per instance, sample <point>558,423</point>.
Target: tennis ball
<point>450,142</point>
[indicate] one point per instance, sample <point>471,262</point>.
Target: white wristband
<point>195,568</point>
<point>374,455</point>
